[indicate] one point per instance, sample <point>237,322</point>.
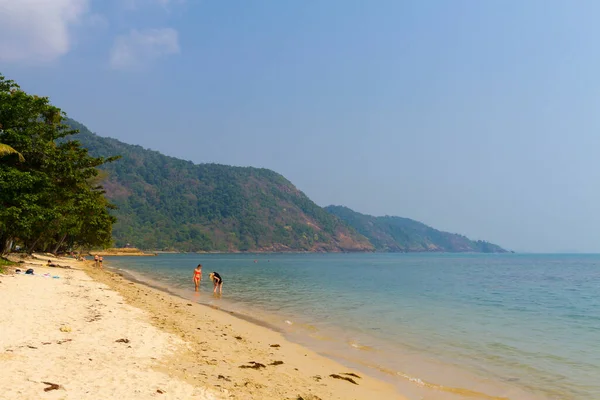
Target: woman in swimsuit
<point>217,282</point>
<point>197,276</point>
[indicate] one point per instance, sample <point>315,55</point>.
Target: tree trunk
<point>6,246</point>
<point>32,247</point>
<point>59,244</point>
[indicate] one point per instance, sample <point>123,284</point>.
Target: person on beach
<point>100,261</point>
<point>96,260</point>
<point>217,282</point>
<point>197,276</point>
<point>51,264</point>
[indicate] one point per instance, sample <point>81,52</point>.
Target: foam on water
<point>466,326</point>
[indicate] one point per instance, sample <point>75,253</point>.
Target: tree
<point>49,195</point>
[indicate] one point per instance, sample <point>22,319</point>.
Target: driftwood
<point>52,386</point>
<point>255,365</point>
<point>345,378</point>
<point>308,397</point>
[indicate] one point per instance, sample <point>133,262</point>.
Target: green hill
<point>165,203</point>
<point>168,203</point>
<point>396,234</point>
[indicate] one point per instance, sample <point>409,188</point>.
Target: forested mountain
<point>168,203</point>
<point>61,190</point>
<point>403,234</point>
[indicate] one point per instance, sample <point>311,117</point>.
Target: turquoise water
<point>464,326</point>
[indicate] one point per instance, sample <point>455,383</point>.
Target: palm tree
<point>6,150</point>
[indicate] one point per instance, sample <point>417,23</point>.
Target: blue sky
<point>477,117</point>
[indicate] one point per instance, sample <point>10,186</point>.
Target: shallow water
<point>466,326</point>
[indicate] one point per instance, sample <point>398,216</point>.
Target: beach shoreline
<point>202,352</point>
<point>131,252</point>
<point>414,374</point>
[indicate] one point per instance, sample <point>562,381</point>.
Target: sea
<point>438,326</point>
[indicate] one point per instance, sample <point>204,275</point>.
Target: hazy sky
<point>477,117</point>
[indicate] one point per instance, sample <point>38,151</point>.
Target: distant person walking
<point>100,259</point>
<point>96,260</point>
<point>217,282</point>
<point>197,276</point>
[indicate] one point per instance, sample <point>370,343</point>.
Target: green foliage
<point>5,263</point>
<point>171,204</point>
<point>397,234</point>
<point>49,199</point>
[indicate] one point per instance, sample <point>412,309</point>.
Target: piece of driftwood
<point>255,365</point>
<point>52,386</point>
<point>345,378</point>
<point>308,397</point>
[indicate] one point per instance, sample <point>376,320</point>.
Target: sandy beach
<point>94,334</point>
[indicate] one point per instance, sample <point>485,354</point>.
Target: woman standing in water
<point>197,276</point>
<point>217,282</point>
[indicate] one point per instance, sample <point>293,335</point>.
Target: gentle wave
<point>458,391</point>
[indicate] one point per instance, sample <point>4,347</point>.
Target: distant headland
<point>167,204</point>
